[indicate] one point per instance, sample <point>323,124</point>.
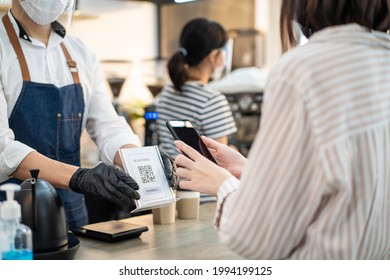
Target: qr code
<point>147,175</point>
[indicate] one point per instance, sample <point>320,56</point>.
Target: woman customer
<point>316,184</point>
<point>200,56</point>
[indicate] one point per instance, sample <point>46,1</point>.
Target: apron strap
<point>22,61</point>
<point>17,48</point>
<point>72,64</point>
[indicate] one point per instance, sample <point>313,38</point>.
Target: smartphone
<point>184,130</point>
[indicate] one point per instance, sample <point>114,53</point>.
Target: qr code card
<point>145,166</point>
<point>147,175</point>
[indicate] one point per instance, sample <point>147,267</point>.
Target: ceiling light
<point>183,1</point>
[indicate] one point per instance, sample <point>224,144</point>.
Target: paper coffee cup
<point>188,205</point>
<point>164,215</point>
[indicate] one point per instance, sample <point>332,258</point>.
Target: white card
<point>145,166</point>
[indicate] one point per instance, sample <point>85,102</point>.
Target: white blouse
<point>317,181</point>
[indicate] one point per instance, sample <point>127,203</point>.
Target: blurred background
<point>134,39</point>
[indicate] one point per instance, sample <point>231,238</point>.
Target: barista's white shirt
<point>48,65</point>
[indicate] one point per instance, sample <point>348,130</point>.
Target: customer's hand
<point>169,169</point>
<point>226,157</point>
<point>198,173</point>
<point>107,182</point>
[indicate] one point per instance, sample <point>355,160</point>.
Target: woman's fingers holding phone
<point>210,143</point>
<point>226,157</point>
<point>198,173</point>
<point>188,150</point>
<point>183,161</point>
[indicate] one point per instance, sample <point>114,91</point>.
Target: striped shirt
<point>208,111</point>
<point>317,181</point>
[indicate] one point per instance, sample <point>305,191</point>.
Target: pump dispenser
<point>18,237</point>
<point>2,234</point>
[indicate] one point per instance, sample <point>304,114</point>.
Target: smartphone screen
<point>184,130</point>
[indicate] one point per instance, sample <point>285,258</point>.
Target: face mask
<point>306,31</point>
<point>43,12</point>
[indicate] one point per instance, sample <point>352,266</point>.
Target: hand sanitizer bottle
<point>2,234</point>
<point>18,237</point>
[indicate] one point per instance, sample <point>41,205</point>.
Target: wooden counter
<point>185,239</point>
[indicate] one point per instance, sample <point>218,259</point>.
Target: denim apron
<point>48,119</point>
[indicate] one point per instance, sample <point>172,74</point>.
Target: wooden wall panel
<point>232,14</point>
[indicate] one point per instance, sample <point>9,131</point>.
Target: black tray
<point>111,231</point>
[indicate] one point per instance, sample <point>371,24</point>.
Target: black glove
<point>170,169</point>
<point>107,182</point>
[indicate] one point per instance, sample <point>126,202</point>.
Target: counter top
<point>182,240</point>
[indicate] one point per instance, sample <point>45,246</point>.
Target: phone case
<point>172,131</point>
<point>203,149</point>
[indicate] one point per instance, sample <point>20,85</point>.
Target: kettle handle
<point>34,174</point>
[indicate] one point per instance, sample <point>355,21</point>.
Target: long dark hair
<point>314,15</point>
<point>198,38</point>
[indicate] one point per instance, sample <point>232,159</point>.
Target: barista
<point>51,88</point>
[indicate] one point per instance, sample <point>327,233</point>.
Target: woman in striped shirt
<point>316,184</point>
<point>200,56</point>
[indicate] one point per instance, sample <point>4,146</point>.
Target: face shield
<point>224,54</point>
<point>43,12</point>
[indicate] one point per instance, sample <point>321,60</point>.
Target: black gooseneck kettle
<point>44,212</point>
